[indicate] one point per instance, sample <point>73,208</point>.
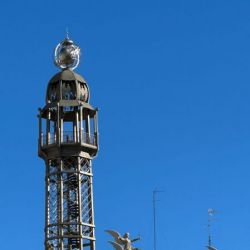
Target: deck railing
<point>68,137</point>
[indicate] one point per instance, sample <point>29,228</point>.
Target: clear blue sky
<point>172,81</point>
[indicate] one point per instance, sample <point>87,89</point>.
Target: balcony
<point>68,137</point>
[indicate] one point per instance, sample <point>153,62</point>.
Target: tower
<point>68,141</point>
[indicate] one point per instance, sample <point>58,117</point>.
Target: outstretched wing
<point>116,245</point>
<point>114,234</point>
<point>136,239</point>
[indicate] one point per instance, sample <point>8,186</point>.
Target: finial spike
<point>67,32</point>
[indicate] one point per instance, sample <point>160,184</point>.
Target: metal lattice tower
<point>68,141</point>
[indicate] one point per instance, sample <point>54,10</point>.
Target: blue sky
<point>172,82</point>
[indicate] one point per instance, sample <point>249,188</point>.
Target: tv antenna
<point>155,192</point>
<point>211,213</point>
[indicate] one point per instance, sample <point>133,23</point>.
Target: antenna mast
<point>154,214</point>
<point>210,219</point>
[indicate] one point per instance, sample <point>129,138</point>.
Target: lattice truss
<point>70,215</point>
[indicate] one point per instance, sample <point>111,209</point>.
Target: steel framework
<point>68,141</point>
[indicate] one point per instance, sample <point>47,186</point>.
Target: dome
<point>67,85</point>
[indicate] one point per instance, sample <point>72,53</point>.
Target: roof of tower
<point>67,85</point>
<point>67,75</point>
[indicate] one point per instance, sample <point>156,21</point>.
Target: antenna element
<point>154,214</point>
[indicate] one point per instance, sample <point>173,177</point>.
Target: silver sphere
<point>67,54</point>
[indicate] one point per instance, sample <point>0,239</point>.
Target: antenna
<point>211,213</point>
<point>155,191</point>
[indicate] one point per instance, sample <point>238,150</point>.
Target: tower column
<point>69,209</point>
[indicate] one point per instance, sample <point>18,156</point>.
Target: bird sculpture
<point>122,243</point>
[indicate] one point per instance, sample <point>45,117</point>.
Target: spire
<point>67,33</point>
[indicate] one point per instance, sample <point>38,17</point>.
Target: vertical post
<point>91,206</point>
<point>48,127</point>
<point>60,211</point>
<point>40,129</point>
<point>58,132</point>
<point>47,196</point>
<point>96,128</point>
<point>80,201</point>
<point>74,126</point>
<point>87,129</point>
<point>68,214</point>
<point>74,131</point>
<point>77,126</point>
<point>81,128</point>
<point>61,125</point>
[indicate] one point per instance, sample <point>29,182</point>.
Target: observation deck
<point>67,123</point>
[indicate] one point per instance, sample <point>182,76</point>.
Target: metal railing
<point>68,137</point>
<point>48,139</point>
<point>88,138</point>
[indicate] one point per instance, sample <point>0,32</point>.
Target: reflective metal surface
<point>67,54</point>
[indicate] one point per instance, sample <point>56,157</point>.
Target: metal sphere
<point>67,54</point>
